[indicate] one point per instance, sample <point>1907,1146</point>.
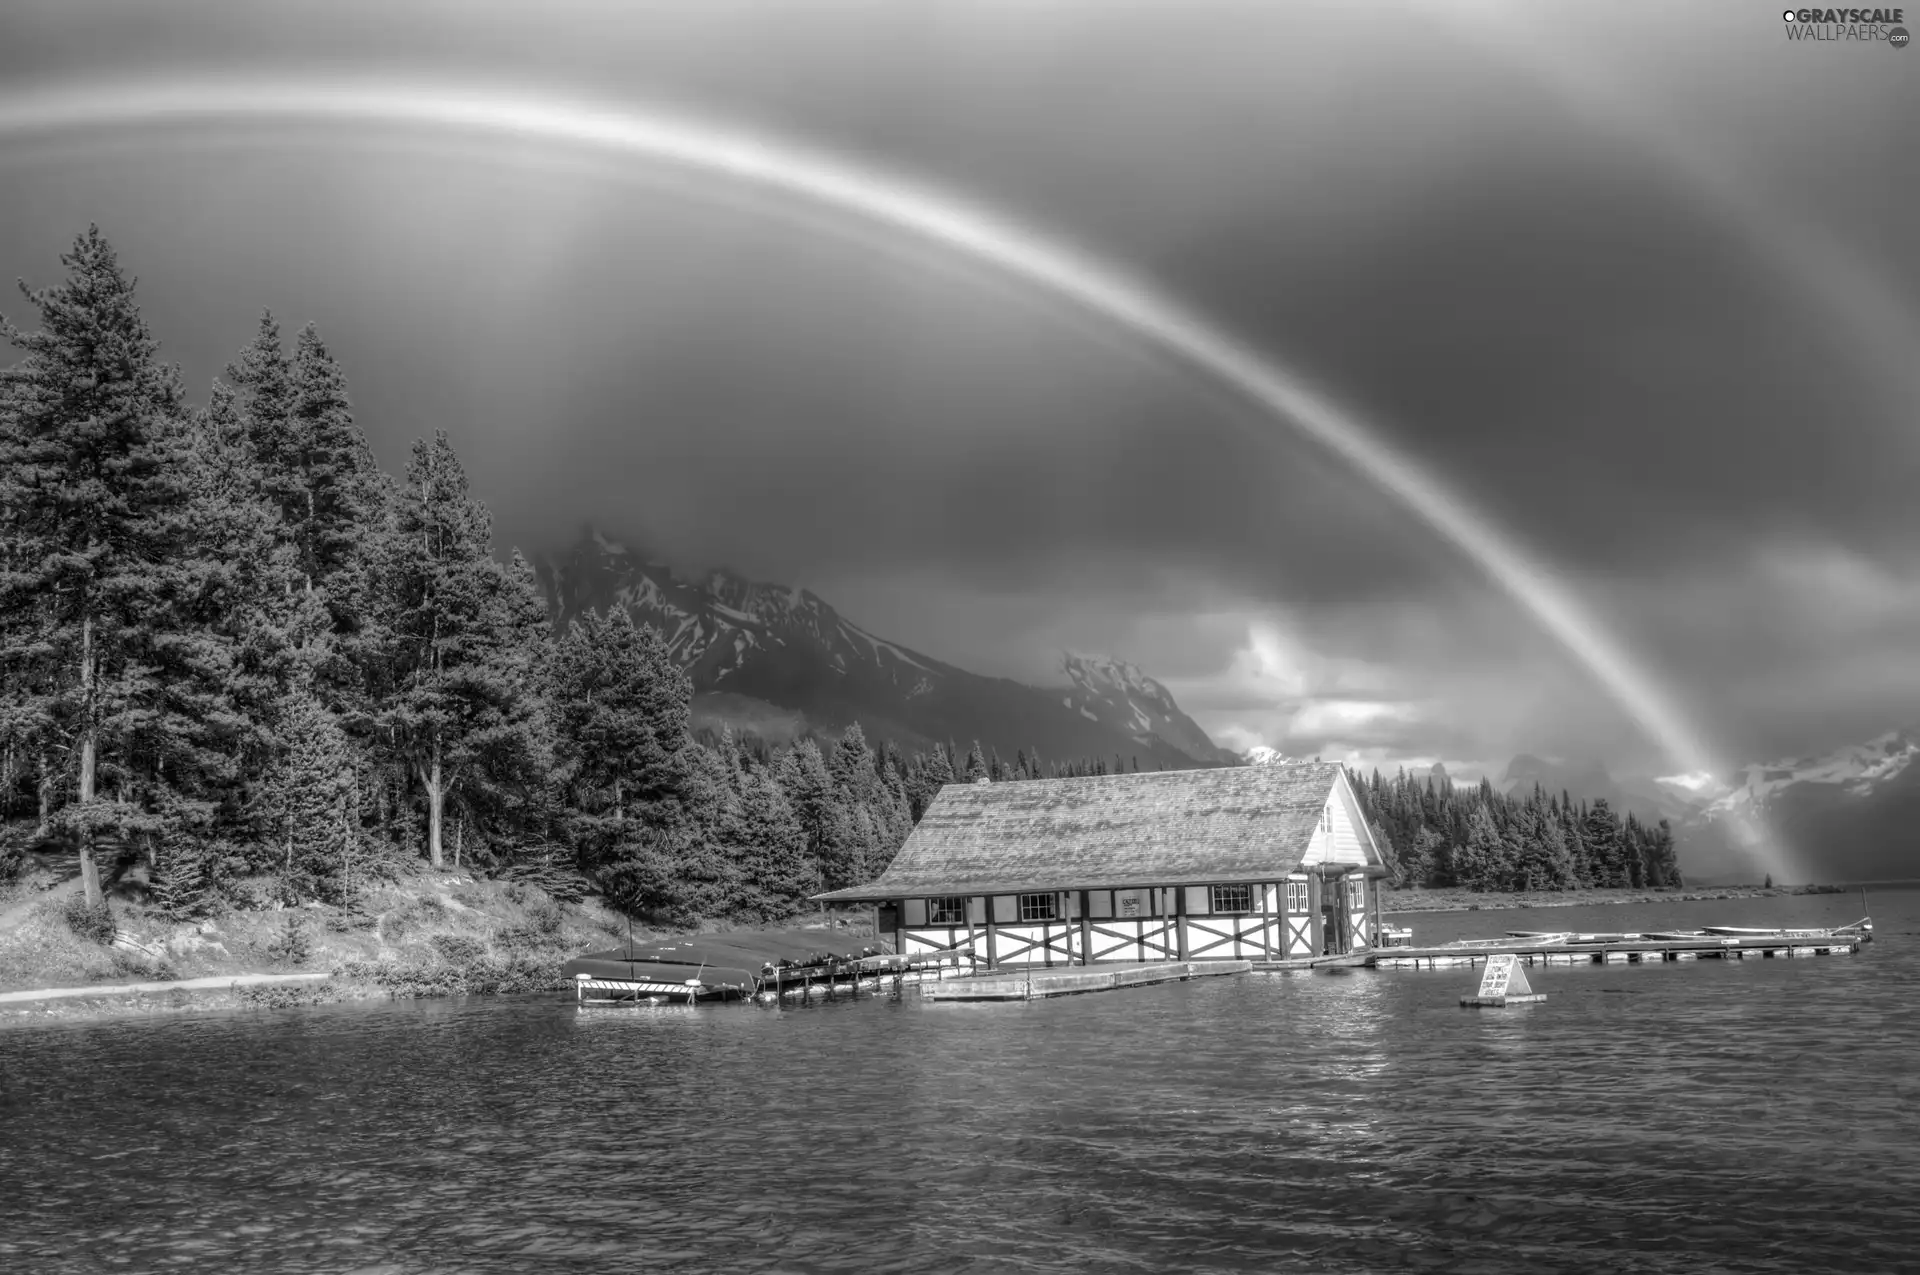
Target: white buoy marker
<point>1503,983</point>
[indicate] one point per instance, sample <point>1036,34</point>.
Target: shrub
<point>291,945</point>
<point>486,975</point>
<point>351,920</point>
<point>541,927</point>
<point>13,854</point>
<point>127,965</point>
<point>253,896</point>
<point>457,949</point>
<point>93,921</point>
<point>287,995</point>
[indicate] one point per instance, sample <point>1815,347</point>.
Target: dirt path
<point>217,981</point>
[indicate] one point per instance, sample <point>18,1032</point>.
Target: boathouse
<point>1246,862</point>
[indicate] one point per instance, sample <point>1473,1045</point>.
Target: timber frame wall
<point>1287,919</point>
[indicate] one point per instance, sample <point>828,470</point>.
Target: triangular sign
<point>1504,977</point>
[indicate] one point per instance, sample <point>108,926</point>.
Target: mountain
<point>1121,697</point>
<point>1852,814</point>
<point>781,660</point>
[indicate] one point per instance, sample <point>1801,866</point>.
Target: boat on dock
<point>747,965</point>
<point>1863,927</point>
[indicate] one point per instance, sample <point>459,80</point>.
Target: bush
<point>287,995</point>
<point>13,854</point>
<point>484,976</point>
<point>291,945</point>
<point>457,949</point>
<point>127,965</point>
<point>92,921</point>
<point>253,896</point>
<point>417,915</point>
<point>540,928</point>
<point>351,920</point>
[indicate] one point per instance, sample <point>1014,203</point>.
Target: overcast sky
<point>1637,282</point>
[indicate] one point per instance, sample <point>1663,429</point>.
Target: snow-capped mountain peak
<point>1118,695</point>
<point>1261,755</point>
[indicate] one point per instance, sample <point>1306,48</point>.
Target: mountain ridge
<point>747,643</point>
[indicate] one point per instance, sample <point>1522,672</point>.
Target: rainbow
<point>901,206</point>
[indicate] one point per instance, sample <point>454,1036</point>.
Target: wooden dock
<point>1622,952</point>
<point>824,980</point>
<point>1040,983</point>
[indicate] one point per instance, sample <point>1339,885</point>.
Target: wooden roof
<point>1176,827</point>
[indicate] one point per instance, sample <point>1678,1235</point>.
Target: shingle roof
<point>1178,827</point>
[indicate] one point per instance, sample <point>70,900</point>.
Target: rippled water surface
<point>1750,1116</point>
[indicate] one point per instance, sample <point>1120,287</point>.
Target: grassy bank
<point>431,934</point>
<point>1472,901</point>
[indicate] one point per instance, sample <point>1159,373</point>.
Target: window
<point>1037,907</point>
<point>948,909</point>
<point>1356,894</point>
<point>1232,898</point>
<point>1296,897</point>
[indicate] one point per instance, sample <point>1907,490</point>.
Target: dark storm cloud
<point>1530,300</point>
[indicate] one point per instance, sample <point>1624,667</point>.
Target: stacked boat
<point>1857,931</point>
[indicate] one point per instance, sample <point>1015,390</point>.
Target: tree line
<point>234,646</point>
<point>1440,834</point>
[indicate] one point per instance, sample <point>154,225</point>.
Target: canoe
<point>1743,932</point>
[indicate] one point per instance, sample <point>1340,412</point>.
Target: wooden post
<point>1267,897</point>
<point>1086,930</point>
<point>1316,938</point>
<point>1180,920</point>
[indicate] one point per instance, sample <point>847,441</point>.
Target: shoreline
<point>421,973</point>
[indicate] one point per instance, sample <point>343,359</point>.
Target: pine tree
<point>90,493</point>
<point>460,712</point>
<point>976,767</point>
<point>809,790</point>
<point>1480,859</point>
<point>778,872</point>
<point>1605,845</point>
<point>314,802</point>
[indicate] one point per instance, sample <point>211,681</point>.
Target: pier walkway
<point>1038,983</point>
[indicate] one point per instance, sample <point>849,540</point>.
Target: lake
<point>1709,1116</point>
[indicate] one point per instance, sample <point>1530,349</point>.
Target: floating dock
<point>1041,983</point>
<point>1644,950</point>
